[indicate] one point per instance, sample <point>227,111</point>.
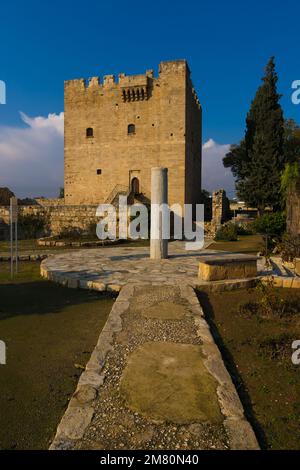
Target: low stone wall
<point>52,241</point>
<point>58,216</point>
<point>280,281</point>
<point>32,257</point>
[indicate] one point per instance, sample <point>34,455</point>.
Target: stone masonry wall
<point>59,217</point>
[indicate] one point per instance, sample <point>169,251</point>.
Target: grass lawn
<point>50,332</point>
<point>31,246</point>
<point>245,244</point>
<point>257,352</point>
<point>23,245</point>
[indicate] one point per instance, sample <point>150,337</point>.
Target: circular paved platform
<point>110,268</point>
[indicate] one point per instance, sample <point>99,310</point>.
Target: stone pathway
<point>156,380</point>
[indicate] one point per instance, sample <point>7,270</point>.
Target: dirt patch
<point>250,244</point>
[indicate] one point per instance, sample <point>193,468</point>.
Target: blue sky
<point>227,44</point>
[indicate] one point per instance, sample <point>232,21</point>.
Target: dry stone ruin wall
<point>220,208</point>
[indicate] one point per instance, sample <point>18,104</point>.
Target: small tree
<point>291,141</point>
<point>5,195</point>
<point>228,233</point>
<point>271,226</point>
<point>289,177</point>
<point>291,172</point>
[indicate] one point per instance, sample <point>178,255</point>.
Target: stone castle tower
<point>116,131</point>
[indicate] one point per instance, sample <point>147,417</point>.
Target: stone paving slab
<point>155,381</point>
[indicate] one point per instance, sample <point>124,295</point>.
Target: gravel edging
<point>81,407</point>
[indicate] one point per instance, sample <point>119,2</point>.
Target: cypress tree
<point>258,161</point>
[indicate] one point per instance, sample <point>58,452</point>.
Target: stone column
<point>159,195</point>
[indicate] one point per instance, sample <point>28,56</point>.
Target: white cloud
<point>214,175</point>
<point>31,158</point>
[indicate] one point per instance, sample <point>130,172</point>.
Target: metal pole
<point>11,244</point>
<point>16,244</point>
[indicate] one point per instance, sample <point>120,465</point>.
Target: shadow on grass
<point>232,369</point>
<point>50,332</point>
<point>41,298</point>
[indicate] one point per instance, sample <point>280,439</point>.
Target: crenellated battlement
<point>196,97</point>
<point>123,81</point>
<point>135,87</point>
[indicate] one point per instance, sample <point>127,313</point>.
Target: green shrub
<point>244,229</point>
<point>5,195</point>
<point>228,233</point>
<point>32,225</point>
<point>271,304</point>
<point>289,177</point>
<point>277,347</point>
<point>77,233</point>
<point>272,224</point>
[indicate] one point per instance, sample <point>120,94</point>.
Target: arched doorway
<point>135,186</point>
